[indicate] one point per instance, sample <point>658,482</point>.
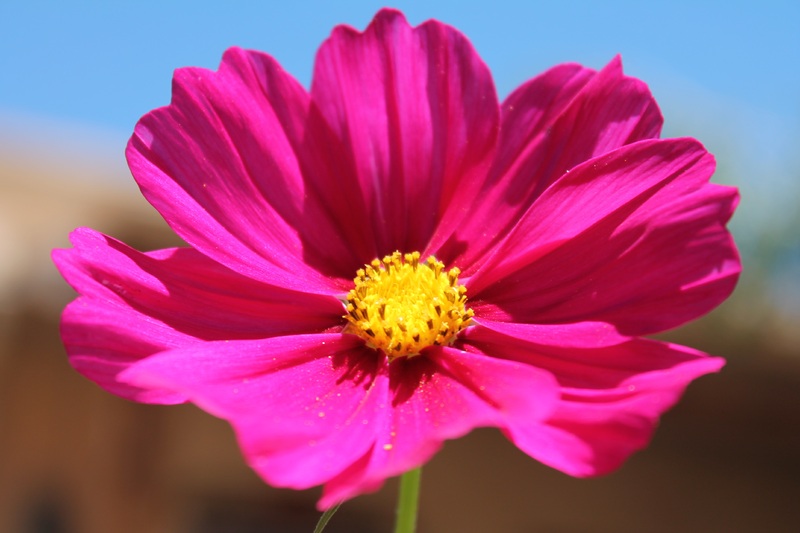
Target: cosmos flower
<point>394,258</point>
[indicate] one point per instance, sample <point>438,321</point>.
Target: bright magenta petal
<point>611,397</point>
<point>103,339</point>
<point>415,117</point>
<point>442,395</point>
<point>223,165</point>
<point>355,420</point>
<point>636,239</point>
<point>188,292</point>
<point>551,124</point>
<point>304,407</point>
<point>585,334</point>
<point>134,305</point>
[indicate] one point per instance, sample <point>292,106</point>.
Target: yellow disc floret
<point>401,306</point>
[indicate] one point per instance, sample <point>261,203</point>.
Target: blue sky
<point>727,73</point>
<point>104,64</point>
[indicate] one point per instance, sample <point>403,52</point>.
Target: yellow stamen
<point>401,306</point>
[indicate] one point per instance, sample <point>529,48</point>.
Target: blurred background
<point>76,76</point>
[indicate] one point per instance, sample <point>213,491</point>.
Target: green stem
<point>407,502</point>
<point>326,516</point>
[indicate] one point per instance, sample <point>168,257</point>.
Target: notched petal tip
<point>595,429</point>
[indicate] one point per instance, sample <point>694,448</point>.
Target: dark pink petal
<point>588,334</point>
<point>102,339</point>
<point>221,163</point>
<point>323,409</point>
<point>442,395</point>
<point>414,114</point>
<point>134,305</point>
<point>611,397</point>
<point>603,367</point>
<point>304,407</point>
<point>188,292</point>
<point>636,239</point>
<point>552,123</point>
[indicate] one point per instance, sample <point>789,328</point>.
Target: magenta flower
<point>340,362</point>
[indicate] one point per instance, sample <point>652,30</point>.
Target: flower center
<point>402,306</point>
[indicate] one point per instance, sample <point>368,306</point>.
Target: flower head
<point>394,258</point>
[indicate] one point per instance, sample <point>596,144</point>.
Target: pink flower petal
<point>651,255</point>
<point>587,334</point>
<point>442,395</point>
<point>415,115</point>
<point>611,397</point>
<point>322,409</point>
<point>223,164</point>
<point>298,403</point>
<point>103,339</point>
<point>550,124</point>
<point>135,305</point>
<point>188,292</point>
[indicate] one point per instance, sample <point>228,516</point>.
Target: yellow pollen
<point>401,306</point>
